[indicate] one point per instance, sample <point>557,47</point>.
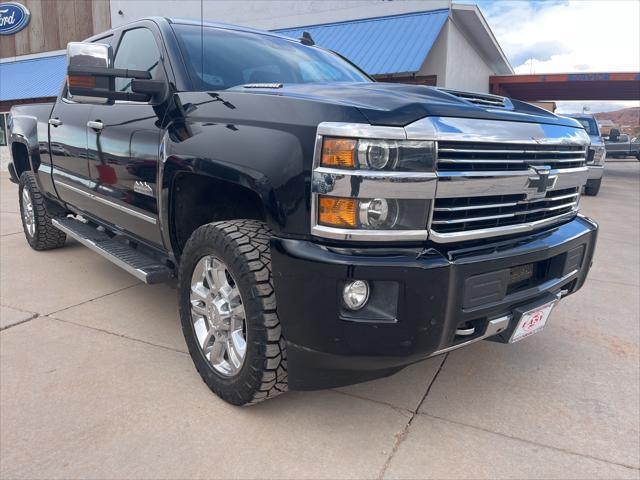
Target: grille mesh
<point>473,213</point>
<point>459,156</point>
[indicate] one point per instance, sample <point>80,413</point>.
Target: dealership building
<point>429,42</point>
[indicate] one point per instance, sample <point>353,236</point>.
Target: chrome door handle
<point>55,122</point>
<point>96,125</point>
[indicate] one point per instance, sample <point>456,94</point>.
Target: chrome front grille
<point>462,214</point>
<point>462,156</point>
<point>491,189</point>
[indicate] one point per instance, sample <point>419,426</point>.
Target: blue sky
<point>549,36</point>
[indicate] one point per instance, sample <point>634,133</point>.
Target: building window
<point>3,129</point>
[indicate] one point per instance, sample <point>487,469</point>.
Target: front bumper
<point>595,172</point>
<point>434,291</point>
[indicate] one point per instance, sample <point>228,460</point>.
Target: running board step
<point>136,263</point>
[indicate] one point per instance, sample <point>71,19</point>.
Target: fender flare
<point>172,165</point>
<point>25,131</point>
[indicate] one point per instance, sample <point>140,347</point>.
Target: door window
<point>137,51</point>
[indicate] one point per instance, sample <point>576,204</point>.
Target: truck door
<point>68,150</point>
<point>123,144</point>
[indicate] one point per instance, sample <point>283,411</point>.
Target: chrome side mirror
<point>87,64</point>
<point>91,77</point>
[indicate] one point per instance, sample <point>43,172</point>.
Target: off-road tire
<point>45,236</point>
<point>243,245</point>
<point>592,187</point>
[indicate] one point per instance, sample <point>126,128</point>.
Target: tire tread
<point>249,241</point>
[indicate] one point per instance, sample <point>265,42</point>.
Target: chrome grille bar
<point>522,162</point>
<point>501,205</point>
<point>462,217</point>
<point>458,157</point>
<point>509,151</point>
<point>559,197</point>
<point>505,215</point>
<point>474,207</point>
<point>453,184</point>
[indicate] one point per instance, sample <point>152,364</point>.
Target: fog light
<point>355,294</point>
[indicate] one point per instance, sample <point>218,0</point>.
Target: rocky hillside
<point>627,119</point>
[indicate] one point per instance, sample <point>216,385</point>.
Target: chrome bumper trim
<point>595,172</point>
<point>368,235</point>
<point>495,326</point>
<point>500,324</point>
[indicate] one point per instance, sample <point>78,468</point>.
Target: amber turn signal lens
<point>338,152</point>
<point>337,212</point>
<point>81,81</point>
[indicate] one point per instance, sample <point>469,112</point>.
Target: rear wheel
<point>228,311</point>
<point>36,220</point>
<point>592,187</point>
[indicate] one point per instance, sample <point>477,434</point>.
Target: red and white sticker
<point>532,322</point>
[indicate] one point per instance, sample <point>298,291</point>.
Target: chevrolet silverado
<point>321,228</point>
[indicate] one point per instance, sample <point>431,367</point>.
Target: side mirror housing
<point>83,59</point>
<point>91,76</point>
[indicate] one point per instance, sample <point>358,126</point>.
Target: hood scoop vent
<point>481,99</point>
<point>262,85</point>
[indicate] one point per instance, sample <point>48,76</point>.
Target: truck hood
<point>395,104</point>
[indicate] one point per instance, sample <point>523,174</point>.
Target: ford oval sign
<point>13,18</point>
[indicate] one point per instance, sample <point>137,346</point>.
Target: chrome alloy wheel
<point>28,214</point>
<point>218,316</point>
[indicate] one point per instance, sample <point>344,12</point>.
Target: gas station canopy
<point>568,86</point>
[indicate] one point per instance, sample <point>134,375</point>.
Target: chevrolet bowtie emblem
<point>542,181</point>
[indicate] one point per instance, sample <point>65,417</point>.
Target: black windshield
<point>234,58</point>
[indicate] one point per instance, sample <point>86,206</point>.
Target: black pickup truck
<point>322,228</point>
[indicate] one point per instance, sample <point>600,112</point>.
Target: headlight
<point>378,154</point>
<point>378,213</point>
<point>386,155</point>
<point>369,183</point>
<point>372,213</point>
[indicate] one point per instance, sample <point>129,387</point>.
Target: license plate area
<point>532,319</point>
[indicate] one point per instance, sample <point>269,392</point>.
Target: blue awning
<point>382,45</point>
<point>33,78</point>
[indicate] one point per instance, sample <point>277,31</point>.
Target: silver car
<point>597,152</point>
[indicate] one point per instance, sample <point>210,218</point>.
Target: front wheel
<point>228,311</point>
<point>592,187</point>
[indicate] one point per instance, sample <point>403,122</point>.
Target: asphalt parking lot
<point>95,382</point>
